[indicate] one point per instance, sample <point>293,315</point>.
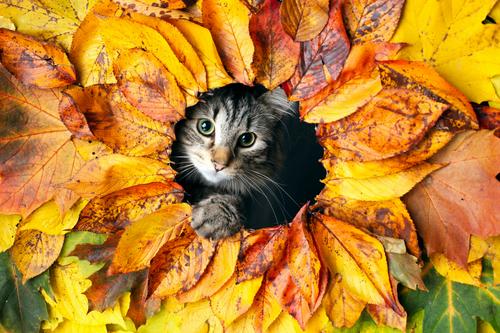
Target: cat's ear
<point>278,102</point>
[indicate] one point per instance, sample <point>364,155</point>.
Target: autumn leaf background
<point>94,231</point>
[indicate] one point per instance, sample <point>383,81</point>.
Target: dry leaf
<point>303,20</point>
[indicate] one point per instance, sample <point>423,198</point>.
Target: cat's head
<point>233,137</point>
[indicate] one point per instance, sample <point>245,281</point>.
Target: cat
<point>230,149</point>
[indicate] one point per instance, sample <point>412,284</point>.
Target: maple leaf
<point>444,221</point>
<point>437,32</point>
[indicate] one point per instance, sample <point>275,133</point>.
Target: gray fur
<point>219,196</point>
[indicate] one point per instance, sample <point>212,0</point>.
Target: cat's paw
<point>211,221</point>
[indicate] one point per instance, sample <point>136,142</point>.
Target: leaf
<point>379,188</point>
<point>22,307</point>
<point>304,20</point>
<point>8,228</point>
<point>469,206</point>
<point>118,124</point>
<point>34,252</point>
<point>342,307</point>
<point>451,306</point>
<point>276,54</point>
<point>455,42</point>
<point>260,250</point>
<point>372,20</point>
<point>405,269</point>
<point>94,56</point>
<point>218,272</point>
<point>357,257</point>
<point>383,218</point>
<point>488,117</point>
<point>113,212</point>
<point>110,173</point>
<point>452,271</point>
<point>321,58</point>
<point>420,77</point>
<point>148,86</point>
<point>53,21</point>
<point>35,63</point>
<point>142,240</point>
<point>228,22</point>
<point>143,5</point>
<point>33,141</point>
<point>239,295</point>
<point>391,123</point>
<point>201,40</point>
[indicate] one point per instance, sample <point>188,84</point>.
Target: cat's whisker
<point>265,196</point>
<point>275,183</point>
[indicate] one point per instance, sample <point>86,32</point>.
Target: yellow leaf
<point>494,255</point>
<point>285,323</point>
<point>143,238</point>
<point>201,40</point>
<point>47,218</point>
<point>379,188</point>
<point>7,23</point>
<point>70,303</point>
<point>8,228</point>
<point>359,259</point>
<point>240,296</point>
<point>450,36</point>
<point>303,20</point>
<point>319,322</point>
<point>478,248</point>
<point>453,271</point>
<point>114,172</point>
<point>51,20</point>
<point>34,252</point>
<point>220,269</point>
<point>228,20</point>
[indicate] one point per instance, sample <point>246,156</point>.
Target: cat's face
<point>232,138</point>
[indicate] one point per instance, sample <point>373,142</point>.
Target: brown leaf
<point>383,218</point>
<point>489,117</point>
<point>372,20</point>
<point>115,211</point>
<point>387,316</point>
<point>142,239</point>
<point>461,198</point>
<point>33,142</point>
<point>34,252</point>
<point>418,76</point>
<point>276,54</point>
<point>390,124</point>
<point>97,253</point>
<point>149,7</point>
<point>259,251</point>
<point>73,119</point>
<point>228,22</point>
<point>179,264</point>
<point>118,124</point>
<point>303,20</point>
<point>33,62</point>
<point>148,86</point>
<point>321,60</point>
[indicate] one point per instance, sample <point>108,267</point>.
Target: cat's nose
<point>219,167</point>
<point>221,157</point>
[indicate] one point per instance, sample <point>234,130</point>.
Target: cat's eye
<point>206,126</point>
<point>247,139</point>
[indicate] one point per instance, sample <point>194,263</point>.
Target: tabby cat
<point>229,151</point>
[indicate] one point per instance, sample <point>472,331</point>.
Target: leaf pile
<point>90,92</point>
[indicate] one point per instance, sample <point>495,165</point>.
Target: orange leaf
<point>143,239</point>
<point>33,144</point>
<point>384,315</point>
<point>33,62</point>
<point>343,308</point>
<point>461,198</point>
<point>359,259</point>
<point>321,58</point>
<point>228,22</point>
<point>115,211</point>
<point>303,20</point>
<point>418,76</point>
<point>118,124</point>
<point>372,20</point>
<point>148,86</point>
<point>259,251</point>
<point>390,124</point>
<point>179,264</point>
<point>110,173</point>
<point>73,119</point>
<point>276,54</point>
<point>148,6</point>
<point>218,272</point>
<point>489,117</point>
<point>34,252</point>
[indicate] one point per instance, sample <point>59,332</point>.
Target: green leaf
<point>454,307</point>
<point>365,324</point>
<point>22,307</point>
<point>81,237</point>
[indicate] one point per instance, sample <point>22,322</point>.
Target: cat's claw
<point>209,221</point>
